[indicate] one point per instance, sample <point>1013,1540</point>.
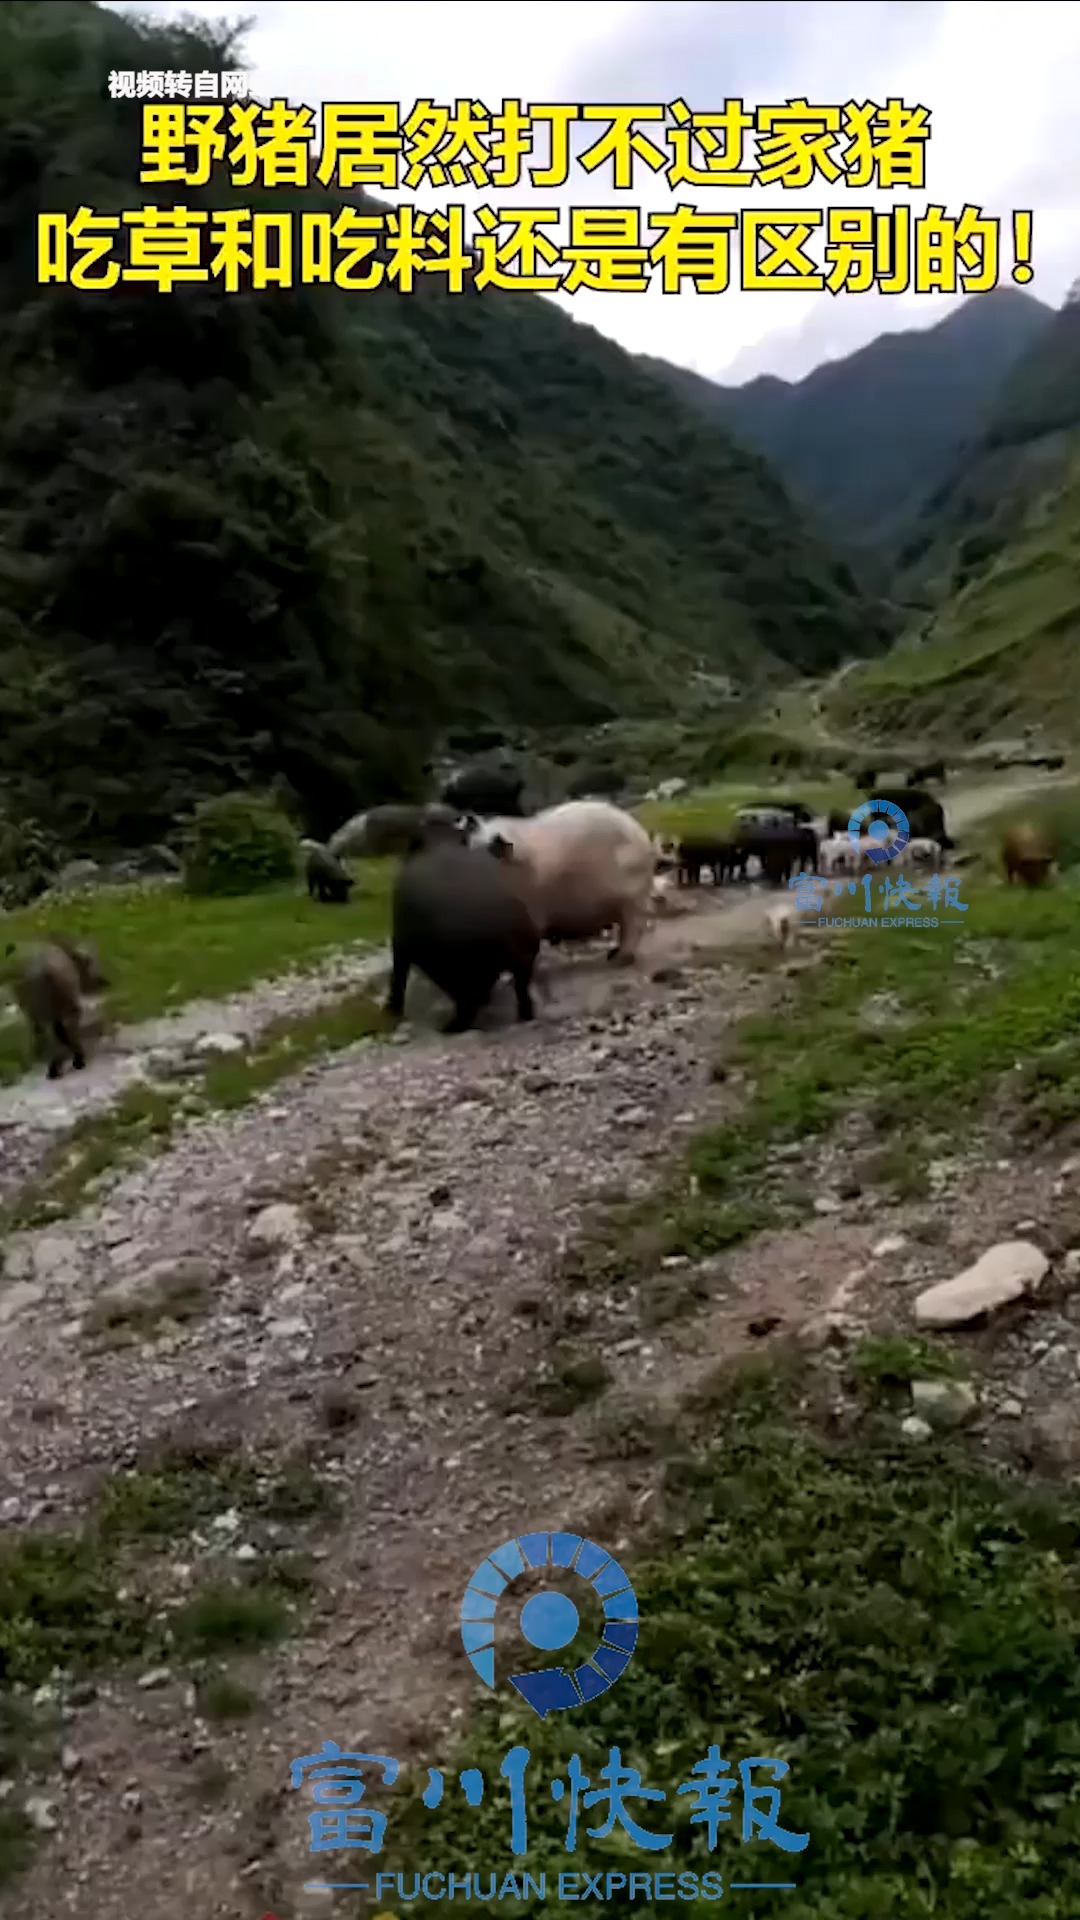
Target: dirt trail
<point>450,1175</point>
<point>431,1190</point>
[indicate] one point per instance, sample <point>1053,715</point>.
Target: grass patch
<point>921,1030</point>
<point>899,1628</point>
<point>63,1602</point>
<point>712,809</point>
<point>73,1602</point>
<point>287,1045</point>
<point>907,1026</point>
<point>172,1499</point>
<point>231,1615</point>
<point>571,1380</point>
<point>161,948</point>
<point>895,1360</point>
<point>16,1844</point>
<point>222,1697</point>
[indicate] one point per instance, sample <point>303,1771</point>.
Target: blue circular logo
<point>888,831</point>
<point>550,1620</point>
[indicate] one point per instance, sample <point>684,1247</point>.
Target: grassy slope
<point>896,1624</point>
<point>642,536</point>
<point>1023,451</point>
<point>1002,654</point>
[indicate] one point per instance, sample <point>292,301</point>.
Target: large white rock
<point>1007,1272</point>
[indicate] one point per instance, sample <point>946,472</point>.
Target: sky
<point>997,78</point>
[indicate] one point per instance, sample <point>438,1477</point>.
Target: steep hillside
<point>298,536</point>
<point>865,439</point>
<point>1001,655</point>
<point>1025,447</point>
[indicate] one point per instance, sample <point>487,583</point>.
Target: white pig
<point>590,866</point>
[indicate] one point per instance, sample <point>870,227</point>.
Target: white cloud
<point>996,76</point>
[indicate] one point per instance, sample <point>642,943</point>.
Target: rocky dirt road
<point>383,1229</point>
<point>371,1269</point>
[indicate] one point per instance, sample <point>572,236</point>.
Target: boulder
<point>1007,1272</point>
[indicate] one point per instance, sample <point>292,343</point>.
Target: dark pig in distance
<point>462,915</point>
<point>1027,855</point>
<point>50,981</point>
<point>719,853</point>
<point>326,878</point>
<point>782,851</point>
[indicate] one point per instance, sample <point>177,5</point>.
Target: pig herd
<point>482,885</point>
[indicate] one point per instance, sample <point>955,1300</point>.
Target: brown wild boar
<point>49,983</point>
<point>1027,855</point>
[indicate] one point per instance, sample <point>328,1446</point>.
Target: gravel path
<point>386,1230</point>
<point>421,1196</point>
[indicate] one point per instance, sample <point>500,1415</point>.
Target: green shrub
<point>239,843</point>
<point>29,858</point>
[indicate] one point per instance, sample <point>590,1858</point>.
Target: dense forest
<point>294,537</point>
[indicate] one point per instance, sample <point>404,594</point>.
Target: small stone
<point>1012,1409</point>
<point>70,1761</point>
<point>828,1330</point>
<point>945,1403</point>
<point>1071,1264</point>
<point>247,1551</point>
<point>915,1429</point>
<point>1027,1226</point>
<point>156,1677</point>
<point>41,1814</point>
<point>1007,1272</point>
<point>294,1329</point>
<point>223,1043</point>
<point>892,1243</point>
<point>280,1225</point>
<point>827,1203</point>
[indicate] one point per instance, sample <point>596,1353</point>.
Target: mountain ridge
<point>923,391</point>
